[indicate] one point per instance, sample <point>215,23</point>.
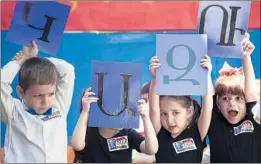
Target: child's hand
<point>87,100</point>
<point>154,65</point>
<point>26,53</point>
<point>31,52</point>
<point>206,63</point>
<point>18,56</point>
<point>247,45</point>
<point>143,108</point>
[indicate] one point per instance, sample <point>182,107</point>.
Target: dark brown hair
<point>186,102</point>
<point>146,88</point>
<point>37,70</point>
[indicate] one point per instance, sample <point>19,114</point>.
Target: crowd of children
<point>175,127</point>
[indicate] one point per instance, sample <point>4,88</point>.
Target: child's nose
<point>232,102</point>
<point>45,100</point>
<point>170,120</point>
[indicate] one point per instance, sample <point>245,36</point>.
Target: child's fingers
<point>251,46</point>
<point>141,101</point>
<point>155,64</point>
<point>87,94</point>
<point>247,35</point>
<point>25,49</point>
<point>93,99</point>
<point>244,41</point>
<point>206,56</point>
<point>246,45</point>
<point>152,69</point>
<point>90,99</point>
<point>88,89</point>
<point>154,57</point>
<point>34,45</point>
<point>18,55</point>
<point>154,60</point>
<point>205,65</point>
<point>204,60</point>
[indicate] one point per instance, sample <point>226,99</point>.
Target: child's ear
<point>20,92</point>
<point>190,111</point>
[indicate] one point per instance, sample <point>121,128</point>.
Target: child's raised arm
<point>150,145</point>
<point>65,84</point>
<point>207,101</point>
<point>153,97</point>
<point>249,73</point>
<point>8,73</point>
<point>79,133</point>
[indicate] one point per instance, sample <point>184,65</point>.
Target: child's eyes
<point>51,94</point>
<point>175,113</point>
<point>225,98</point>
<point>163,114</point>
<point>240,98</point>
<point>37,95</point>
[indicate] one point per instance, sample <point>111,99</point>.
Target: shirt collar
<point>32,111</point>
<point>47,113</point>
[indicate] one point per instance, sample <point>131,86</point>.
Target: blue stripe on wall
<point>80,48</point>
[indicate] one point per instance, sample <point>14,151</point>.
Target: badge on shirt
<point>52,116</point>
<point>187,144</point>
<point>118,143</point>
<point>245,127</point>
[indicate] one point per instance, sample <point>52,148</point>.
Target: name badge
<point>118,143</point>
<point>187,144</point>
<point>245,127</point>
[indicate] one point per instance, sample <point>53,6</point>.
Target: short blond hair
<point>233,84</point>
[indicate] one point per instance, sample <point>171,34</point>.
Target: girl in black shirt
<point>180,125</point>
<point>235,137</point>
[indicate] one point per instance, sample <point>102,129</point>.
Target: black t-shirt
<point>236,143</point>
<point>117,149</point>
<point>185,148</point>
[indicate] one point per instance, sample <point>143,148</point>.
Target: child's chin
<point>233,121</point>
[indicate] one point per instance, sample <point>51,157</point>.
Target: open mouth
<point>172,127</point>
<point>233,113</point>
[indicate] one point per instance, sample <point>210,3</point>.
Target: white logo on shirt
<point>184,145</point>
<point>245,127</point>
<point>54,115</point>
<point>118,143</point>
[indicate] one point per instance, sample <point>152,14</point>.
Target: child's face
<point>174,117</point>
<point>232,107</point>
<point>39,97</point>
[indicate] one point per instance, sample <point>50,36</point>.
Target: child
<point>94,143</point>
<point>141,157</point>
<point>175,119</point>
<point>145,91</point>
<point>144,95</point>
<point>235,137</point>
<point>36,126</point>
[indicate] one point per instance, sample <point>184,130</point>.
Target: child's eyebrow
<point>171,110</point>
<point>40,93</point>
